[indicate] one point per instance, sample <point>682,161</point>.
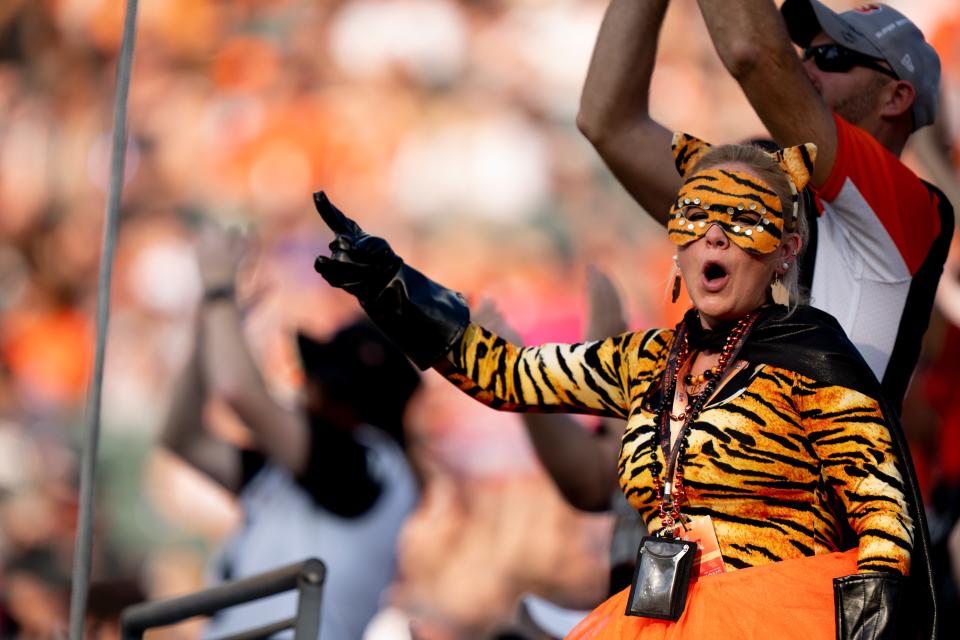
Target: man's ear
<point>898,99</point>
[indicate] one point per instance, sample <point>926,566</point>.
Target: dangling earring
<point>779,292</point>
<point>675,293</point>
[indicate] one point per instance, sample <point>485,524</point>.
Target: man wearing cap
<point>328,478</point>
<point>866,81</point>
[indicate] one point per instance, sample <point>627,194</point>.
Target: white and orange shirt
<point>881,241</point>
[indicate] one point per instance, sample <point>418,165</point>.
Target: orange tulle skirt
<point>787,600</point>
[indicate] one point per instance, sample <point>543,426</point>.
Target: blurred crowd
<point>445,125</point>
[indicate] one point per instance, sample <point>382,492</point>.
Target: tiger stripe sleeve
<point>586,377</point>
<point>851,438</point>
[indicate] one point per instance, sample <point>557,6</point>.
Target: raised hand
<point>423,318</point>
<point>606,317</point>
<point>488,315</point>
<point>219,254</point>
<point>359,263</point>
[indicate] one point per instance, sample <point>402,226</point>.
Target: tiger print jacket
<point>793,457</point>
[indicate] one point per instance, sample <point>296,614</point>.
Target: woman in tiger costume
<point>755,424</point>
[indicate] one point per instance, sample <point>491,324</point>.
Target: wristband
<point>223,292</point>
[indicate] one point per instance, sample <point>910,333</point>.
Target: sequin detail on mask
<point>744,207</point>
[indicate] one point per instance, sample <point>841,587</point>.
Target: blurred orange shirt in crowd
<point>49,354</point>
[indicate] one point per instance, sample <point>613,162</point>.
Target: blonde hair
<point>767,169</point>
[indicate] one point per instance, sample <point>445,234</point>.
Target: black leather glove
<point>423,318</point>
<point>866,605</point>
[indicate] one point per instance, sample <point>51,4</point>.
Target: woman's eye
<point>748,218</point>
<point>694,213</point>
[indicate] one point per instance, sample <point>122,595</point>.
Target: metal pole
<point>84,540</point>
<point>311,596</point>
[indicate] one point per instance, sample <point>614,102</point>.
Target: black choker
<point>701,339</point>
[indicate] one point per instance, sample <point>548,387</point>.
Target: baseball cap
<point>364,369</point>
<point>879,31</point>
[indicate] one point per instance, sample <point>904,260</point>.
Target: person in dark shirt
<point>328,478</point>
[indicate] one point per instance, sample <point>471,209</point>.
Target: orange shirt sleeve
<point>904,207</point>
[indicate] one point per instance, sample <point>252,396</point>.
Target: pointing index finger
<point>333,217</point>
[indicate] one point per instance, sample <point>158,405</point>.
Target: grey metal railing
<point>307,577</point>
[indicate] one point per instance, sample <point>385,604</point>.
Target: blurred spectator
<point>36,595</point>
<point>326,479</point>
<point>484,525</point>
<point>933,423</point>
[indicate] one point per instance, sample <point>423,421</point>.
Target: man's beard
<point>858,106</point>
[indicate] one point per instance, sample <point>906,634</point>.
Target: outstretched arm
<point>228,365</point>
<point>557,378</point>
<point>752,40</point>
<point>615,105</point>
<point>183,430</point>
<point>432,325</point>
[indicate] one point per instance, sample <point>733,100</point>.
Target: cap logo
<point>868,8</point>
<point>890,27</point>
<point>907,62</point>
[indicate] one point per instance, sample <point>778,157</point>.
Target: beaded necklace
<point>669,498</point>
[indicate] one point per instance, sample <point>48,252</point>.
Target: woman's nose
<point>716,237</point>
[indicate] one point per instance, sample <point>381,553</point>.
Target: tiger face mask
<point>747,209</point>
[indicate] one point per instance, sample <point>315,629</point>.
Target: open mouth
<point>714,271</point>
<point>714,276</point>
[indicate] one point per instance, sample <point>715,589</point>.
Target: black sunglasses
<point>834,58</point>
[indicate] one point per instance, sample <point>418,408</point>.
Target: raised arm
<point>228,365</point>
<point>752,40</point>
<point>184,432</point>
<point>615,105</point>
